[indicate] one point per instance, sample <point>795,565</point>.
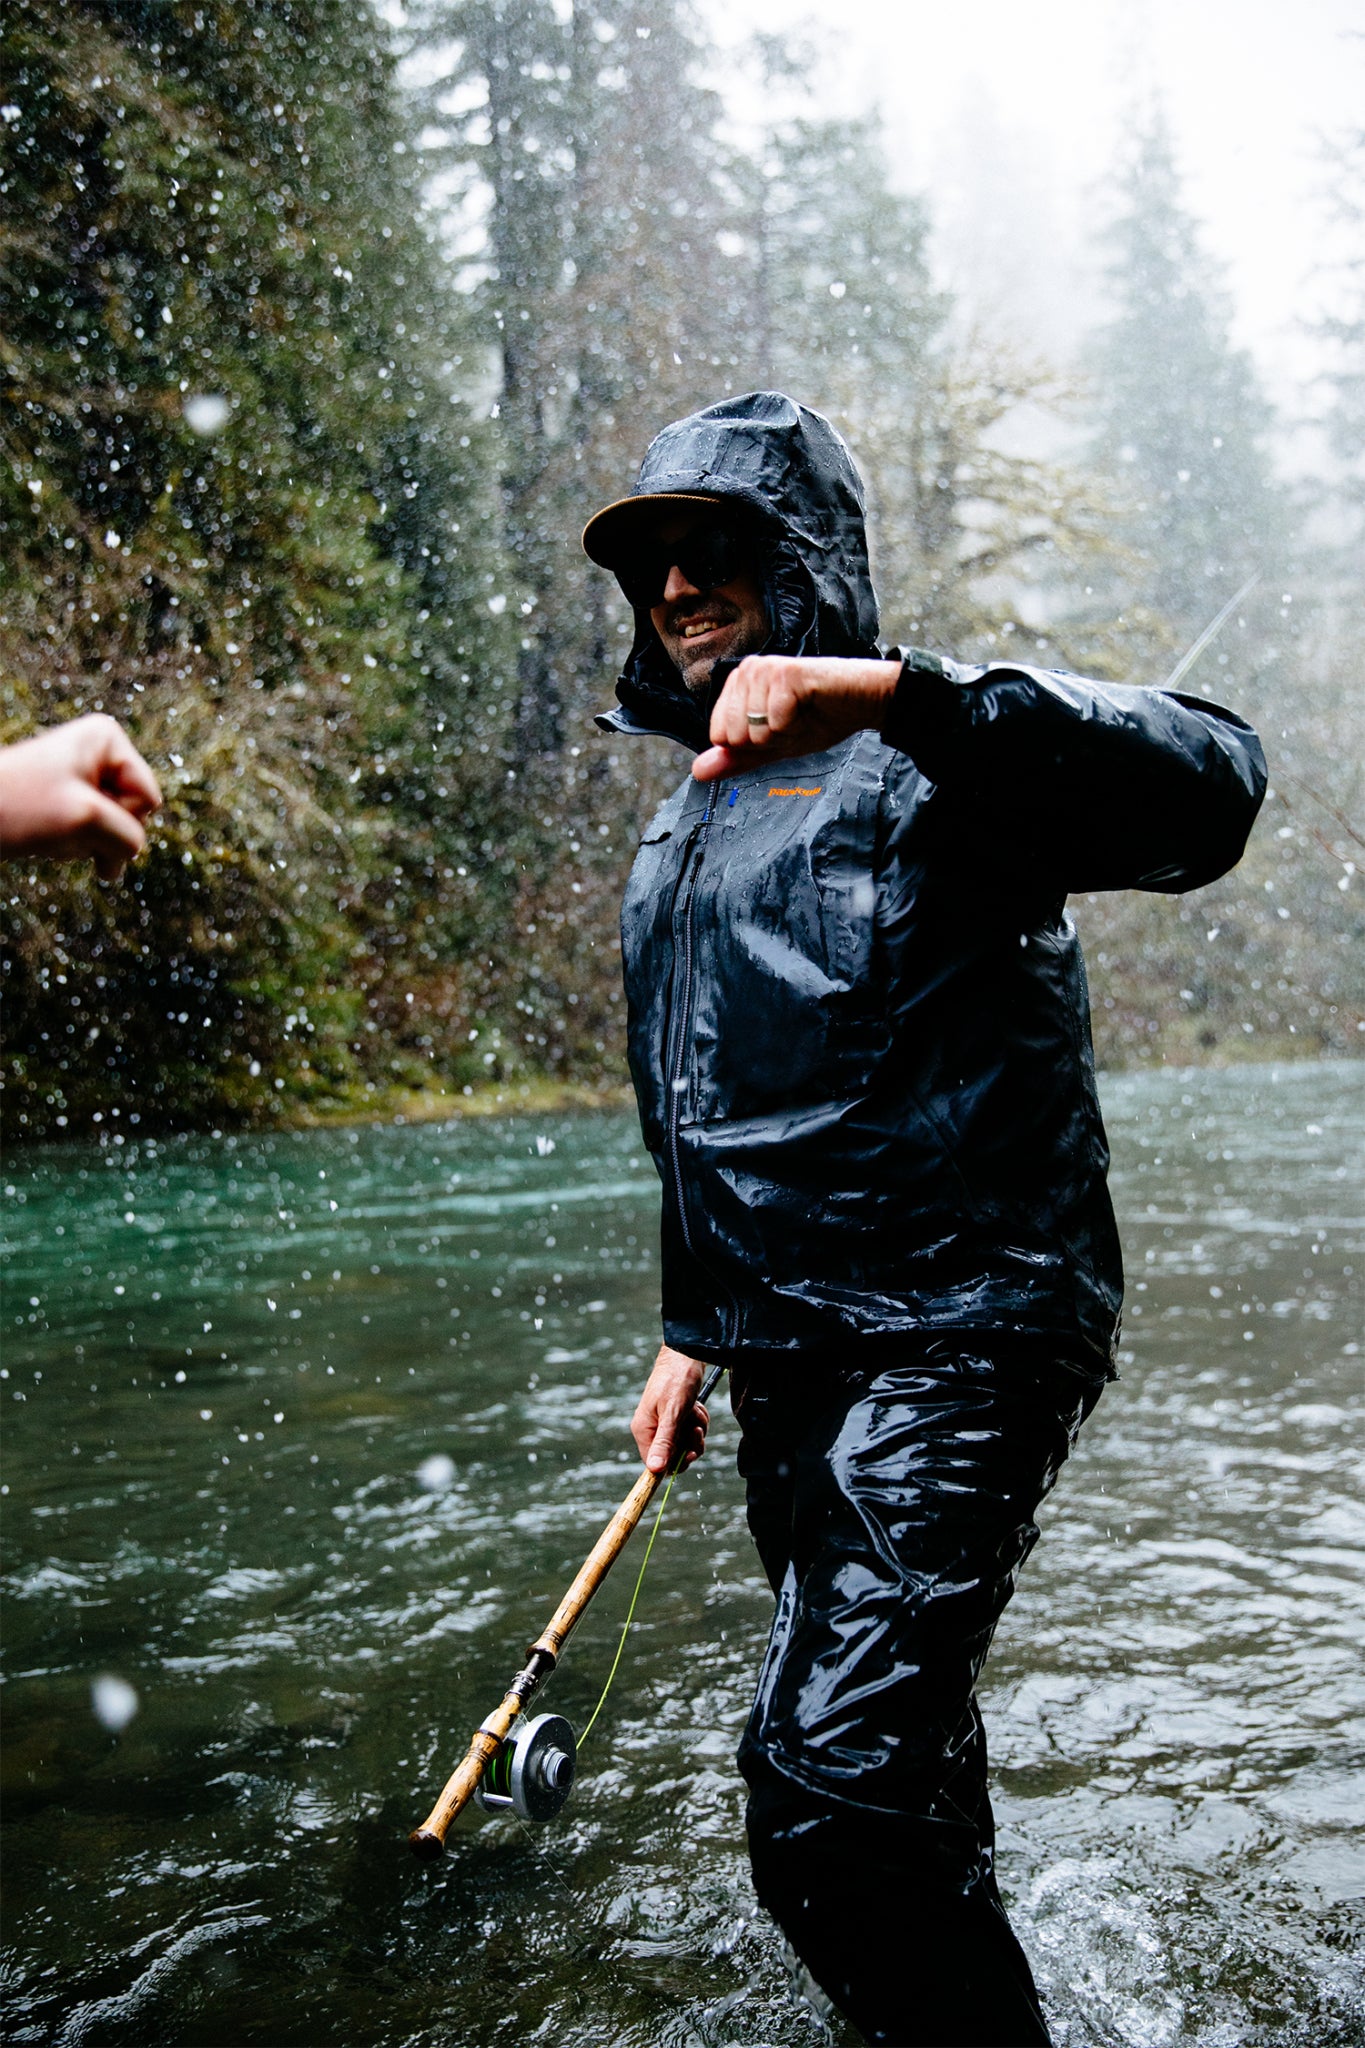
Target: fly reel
<point>527,1767</point>
<point>532,1772</point>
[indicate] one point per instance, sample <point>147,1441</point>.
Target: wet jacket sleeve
<point>1098,785</point>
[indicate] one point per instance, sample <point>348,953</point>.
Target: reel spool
<point>532,1773</point>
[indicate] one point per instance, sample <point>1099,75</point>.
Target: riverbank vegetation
<point>321,339</point>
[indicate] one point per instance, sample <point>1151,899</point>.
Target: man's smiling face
<point>699,627</point>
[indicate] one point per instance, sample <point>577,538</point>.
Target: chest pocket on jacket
<point>646,906</point>
<point>785,1008</point>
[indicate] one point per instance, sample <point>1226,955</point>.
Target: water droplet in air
<point>206,412</point>
<point>114,1702</point>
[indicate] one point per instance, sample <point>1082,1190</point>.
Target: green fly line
<point>630,1611</point>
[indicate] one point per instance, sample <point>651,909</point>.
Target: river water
<point>227,1362</point>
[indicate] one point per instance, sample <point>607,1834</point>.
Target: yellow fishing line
<point>630,1611</point>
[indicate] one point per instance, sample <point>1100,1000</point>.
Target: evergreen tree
<point>1183,424</point>
<point>1343,332</point>
<point>846,315</point>
<point>583,137</point>
<point>1261,963</point>
<point>580,140</point>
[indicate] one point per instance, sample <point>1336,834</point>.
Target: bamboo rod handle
<point>430,1839</point>
<point>596,1565</point>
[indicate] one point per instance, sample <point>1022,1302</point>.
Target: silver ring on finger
<point>756,717</point>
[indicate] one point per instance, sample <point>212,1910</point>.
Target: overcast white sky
<point>1007,114</point>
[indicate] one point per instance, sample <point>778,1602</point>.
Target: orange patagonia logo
<point>778,790</point>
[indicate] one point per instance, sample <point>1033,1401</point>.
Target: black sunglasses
<point>713,554</point>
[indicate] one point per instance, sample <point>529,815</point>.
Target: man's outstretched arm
<point>778,705</point>
<point>1099,785</point>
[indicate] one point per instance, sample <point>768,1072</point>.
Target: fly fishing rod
<point>531,1771</point>
<point>1210,632</point>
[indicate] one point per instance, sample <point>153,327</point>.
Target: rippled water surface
<point>226,1362</point>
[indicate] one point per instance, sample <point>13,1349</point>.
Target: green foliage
<point>201,218</point>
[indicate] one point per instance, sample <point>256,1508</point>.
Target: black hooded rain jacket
<point>859,1026</point>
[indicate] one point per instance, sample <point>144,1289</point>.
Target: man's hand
<point>776,705</point>
<point>78,789</point>
<point>670,1418</point>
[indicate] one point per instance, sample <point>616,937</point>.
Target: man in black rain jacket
<point>859,1036</point>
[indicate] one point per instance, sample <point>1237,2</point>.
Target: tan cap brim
<point>608,530</point>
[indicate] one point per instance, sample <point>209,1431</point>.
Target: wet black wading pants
<point>892,1504</point>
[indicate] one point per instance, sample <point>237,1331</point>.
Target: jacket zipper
<point>676,1054</point>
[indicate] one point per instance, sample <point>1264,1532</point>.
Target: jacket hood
<point>793,471</point>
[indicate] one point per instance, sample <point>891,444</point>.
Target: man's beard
<point>701,689</point>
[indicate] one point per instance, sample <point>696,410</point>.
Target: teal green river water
<point>228,1361</point>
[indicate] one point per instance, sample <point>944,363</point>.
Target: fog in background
<point>1010,121</point>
